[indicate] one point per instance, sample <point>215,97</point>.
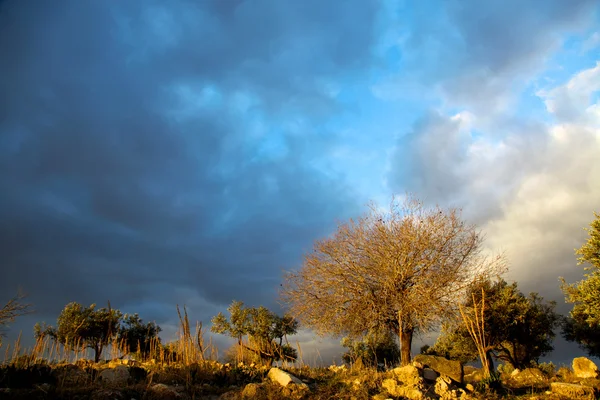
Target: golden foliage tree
<point>403,269</point>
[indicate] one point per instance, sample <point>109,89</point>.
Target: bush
<point>547,368</point>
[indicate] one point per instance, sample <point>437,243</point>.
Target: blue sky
<point>154,154</point>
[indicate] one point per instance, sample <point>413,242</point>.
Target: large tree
<point>517,329</point>
<point>265,331</point>
<point>583,323</point>
<point>79,326</point>
<point>401,270</point>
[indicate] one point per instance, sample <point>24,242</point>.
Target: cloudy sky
<point>187,152</point>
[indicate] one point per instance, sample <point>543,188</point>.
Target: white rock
<point>284,378</point>
<point>583,367</point>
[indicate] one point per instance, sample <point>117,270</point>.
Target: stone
<point>284,378</point>
<point>118,376</point>
<point>583,367</point>
<point>443,366</point>
<point>70,375</point>
<point>473,375</point>
<point>409,375</point>
<point>166,392</point>
<point>529,376</point>
<point>572,391</point>
<point>107,394</point>
<point>252,390</point>
<point>429,374</point>
<point>232,395</point>
<point>410,392</point>
<point>447,390</point>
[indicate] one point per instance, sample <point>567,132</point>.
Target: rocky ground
<point>428,377</point>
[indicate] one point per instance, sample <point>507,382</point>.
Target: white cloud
<point>571,101</point>
<point>531,190</point>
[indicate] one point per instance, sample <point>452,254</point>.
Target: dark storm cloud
<point>113,189</point>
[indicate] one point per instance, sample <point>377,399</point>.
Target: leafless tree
<point>14,308</point>
<point>403,269</point>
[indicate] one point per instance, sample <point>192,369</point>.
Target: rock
<point>381,396</point>
<point>445,388</point>
<point>107,394</point>
<point>583,367</point>
<point>469,369</point>
<point>410,392</point>
<point>70,375</point>
<point>529,376</point>
<point>430,374</point>
<point>284,378</point>
<point>118,376</point>
<point>443,366</point>
<point>472,375</point>
<point>572,391</point>
<point>564,373</point>
<point>165,392</point>
<point>252,390</point>
<point>442,385</point>
<point>232,395</point>
<point>409,375</point>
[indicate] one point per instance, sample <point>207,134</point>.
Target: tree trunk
<point>490,363</point>
<point>406,336</point>
<point>97,352</point>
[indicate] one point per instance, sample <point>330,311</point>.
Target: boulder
<point>429,374</point>
<point>252,390</point>
<point>166,392</point>
<point>472,375</point>
<point>583,367</point>
<point>529,376</point>
<point>70,375</point>
<point>447,390</point>
<point>284,378</point>
<point>410,392</point>
<point>443,366</point>
<point>107,394</point>
<point>572,391</point>
<point>409,375</point>
<point>118,376</point>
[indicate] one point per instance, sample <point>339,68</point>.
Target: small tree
<point>13,308</point>
<point>136,336</point>
<point>265,331</point>
<point>583,324</point>
<point>501,322</point>
<point>403,270</point>
<point>84,326</point>
<point>376,347</point>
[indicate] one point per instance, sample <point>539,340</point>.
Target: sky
<point>189,152</point>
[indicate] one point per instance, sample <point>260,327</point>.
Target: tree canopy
<point>79,326</point>
<point>264,330</point>
<point>518,329</point>
<point>137,337</point>
<point>401,270</point>
<point>583,323</point>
